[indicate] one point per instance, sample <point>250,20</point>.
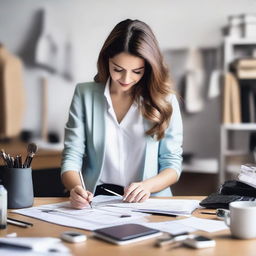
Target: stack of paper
<point>163,206</point>
<point>248,174</point>
<point>88,218</point>
<point>108,211</point>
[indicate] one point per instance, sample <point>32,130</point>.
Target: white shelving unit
<point>219,166</point>
<point>229,48</point>
<point>225,151</point>
<point>230,45</point>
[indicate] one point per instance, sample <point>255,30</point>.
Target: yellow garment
<point>231,100</point>
<point>12,94</point>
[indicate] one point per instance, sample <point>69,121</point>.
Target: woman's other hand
<point>136,192</point>
<point>79,197</point>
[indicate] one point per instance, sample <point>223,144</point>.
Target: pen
<point>21,221</point>
<point>172,239</point>
<point>156,213</point>
<point>112,192</point>
<point>209,213</point>
<point>83,185</point>
<point>19,224</point>
<point>16,162</point>
<point>15,246</point>
<point>19,157</point>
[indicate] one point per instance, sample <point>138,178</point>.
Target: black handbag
<point>230,191</point>
<point>234,187</point>
<point>216,200</point>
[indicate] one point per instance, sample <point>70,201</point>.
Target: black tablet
<point>126,233</point>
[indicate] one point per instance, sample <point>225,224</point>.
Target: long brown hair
<point>136,37</point>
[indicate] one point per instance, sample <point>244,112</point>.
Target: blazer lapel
<point>99,125</point>
<point>151,153</point>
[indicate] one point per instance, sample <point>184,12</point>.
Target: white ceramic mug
<point>242,219</point>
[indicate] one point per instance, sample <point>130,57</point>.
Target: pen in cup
<point>6,158</point>
<point>19,157</point>
<point>31,150</point>
<point>83,185</point>
<point>16,162</point>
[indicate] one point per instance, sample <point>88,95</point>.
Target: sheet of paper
<point>190,224</point>
<point>105,200</point>
<point>109,211</point>
<point>171,227</point>
<point>203,224</point>
<point>87,218</point>
<point>172,206</point>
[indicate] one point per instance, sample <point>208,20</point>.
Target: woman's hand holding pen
<point>136,192</point>
<point>80,197</point>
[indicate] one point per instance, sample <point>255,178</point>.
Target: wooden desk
<point>225,245</point>
<point>44,159</point>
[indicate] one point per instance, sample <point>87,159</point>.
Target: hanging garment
<point>194,82</point>
<point>214,84</point>
<point>55,47</point>
<point>231,100</point>
<point>215,76</point>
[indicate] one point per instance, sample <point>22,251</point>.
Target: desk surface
<point>225,245</point>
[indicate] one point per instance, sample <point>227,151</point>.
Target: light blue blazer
<point>84,145</point>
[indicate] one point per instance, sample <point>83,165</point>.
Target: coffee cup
<point>242,219</point>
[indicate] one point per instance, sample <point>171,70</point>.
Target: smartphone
<point>199,242</point>
<point>73,237</point>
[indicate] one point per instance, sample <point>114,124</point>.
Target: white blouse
<point>125,145</point>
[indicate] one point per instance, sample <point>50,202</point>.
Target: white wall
<point>176,23</point>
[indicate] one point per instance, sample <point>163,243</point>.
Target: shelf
<point>240,127</point>
<point>229,48</point>
<point>234,47</point>
<point>201,165</point>
<point>235,152</point>
<point>240,41</point>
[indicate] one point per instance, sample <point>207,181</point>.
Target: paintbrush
<point>32,148</point>
<point>5,157</point>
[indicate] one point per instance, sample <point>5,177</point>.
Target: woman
<point>125,128</point>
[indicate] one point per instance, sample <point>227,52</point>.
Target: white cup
<point>242,219</point>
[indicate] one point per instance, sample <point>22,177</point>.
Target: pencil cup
<point>19,185</point>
